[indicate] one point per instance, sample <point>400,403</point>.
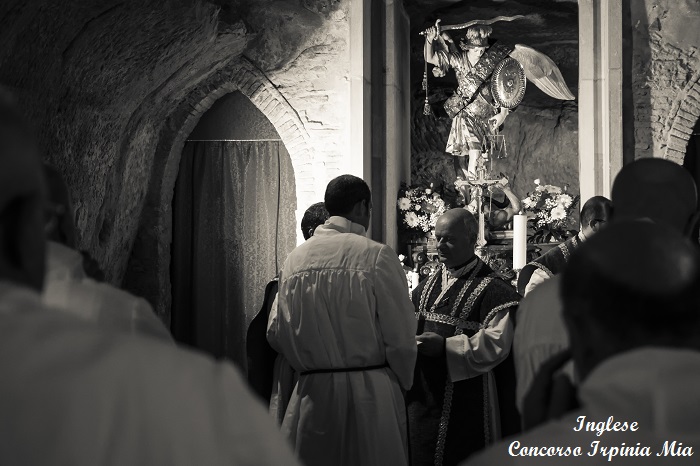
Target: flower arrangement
<point>549,209</point>
<point>419,209</point>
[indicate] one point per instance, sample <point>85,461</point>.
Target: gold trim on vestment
<point>473,297</point>
<point>448,319</point>
<point>444,421</point>
<point>543,268</point>
<point>495,310</point>
<point>565,249</point>
<point>487,410</point>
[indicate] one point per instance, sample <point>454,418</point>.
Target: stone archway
<point>148,272</point>
<point>684,114</point>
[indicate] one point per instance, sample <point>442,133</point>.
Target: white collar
<point>343,225</point>
<point>462,271</point>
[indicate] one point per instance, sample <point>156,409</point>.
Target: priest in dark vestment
<point>594,214</point>
<point>463,394</point>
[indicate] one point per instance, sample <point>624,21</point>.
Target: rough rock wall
<point>665,75</point>
<point>108,84</point>
<point>97,79</point>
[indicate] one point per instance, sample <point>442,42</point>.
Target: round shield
<point>508,83</point>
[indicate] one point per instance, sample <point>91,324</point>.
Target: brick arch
<point>251,82</point>
<point>149,276</point>
<point>684,114</point>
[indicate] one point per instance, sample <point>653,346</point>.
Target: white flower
<point>537,181</point>
<point>527,203</point>
<point>402,258</point>
<point>404,203</point>
<point>558,213</point>
<point>565,200</point>
<point>417,206</point>
<point>553,189</point>
<point>411,219</point>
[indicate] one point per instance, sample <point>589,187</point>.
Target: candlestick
<point>519,241</point>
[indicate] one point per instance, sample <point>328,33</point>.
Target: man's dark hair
<point>343,192</point>
<point>657,189</point>
<point>638,280</point>
<point>596,208</point>
<point>314,216</point>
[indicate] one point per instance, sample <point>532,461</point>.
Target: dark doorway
<point>233,226</point>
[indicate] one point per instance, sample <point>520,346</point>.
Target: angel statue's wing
<point>542,71</point>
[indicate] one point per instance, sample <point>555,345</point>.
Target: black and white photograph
<point>349,232</point>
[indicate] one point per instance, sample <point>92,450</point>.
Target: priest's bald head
<point>456,232</point>
<point>633,284</point>
<point>22,194</point>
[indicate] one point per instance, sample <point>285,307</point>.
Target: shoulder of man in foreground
<point>542,301</point>
<point>106,305</point>
<point>75,388</point>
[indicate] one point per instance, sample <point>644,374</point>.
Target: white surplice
<point>66,287</point>
<point>656,387</point>
<point>343,303</point>
<point>73,393</point>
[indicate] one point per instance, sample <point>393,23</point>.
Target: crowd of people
<point>345,368</point>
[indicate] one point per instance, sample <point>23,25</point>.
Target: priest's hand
<point>430,344</point>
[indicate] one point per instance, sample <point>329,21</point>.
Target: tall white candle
<point>519,241</point>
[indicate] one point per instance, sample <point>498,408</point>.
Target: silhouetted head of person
<point>633,284</point>
<point>22,201</point>
<point>59,209</point>
<point>658,190</point>
<point>595,213</point>
<point>455,232</point>
<point>349,196</point>
<point>314,216</point>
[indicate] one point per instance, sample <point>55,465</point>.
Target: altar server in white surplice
<point>73,392</point>
<point>346,324</point>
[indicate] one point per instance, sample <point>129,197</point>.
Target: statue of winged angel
<point>491,81</point>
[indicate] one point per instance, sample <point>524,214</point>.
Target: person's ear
<point>367,207</point>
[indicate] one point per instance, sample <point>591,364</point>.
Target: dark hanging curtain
<point>233,226</point>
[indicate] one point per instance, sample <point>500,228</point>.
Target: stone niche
<point>113,90</point>
<point>541,135</point>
